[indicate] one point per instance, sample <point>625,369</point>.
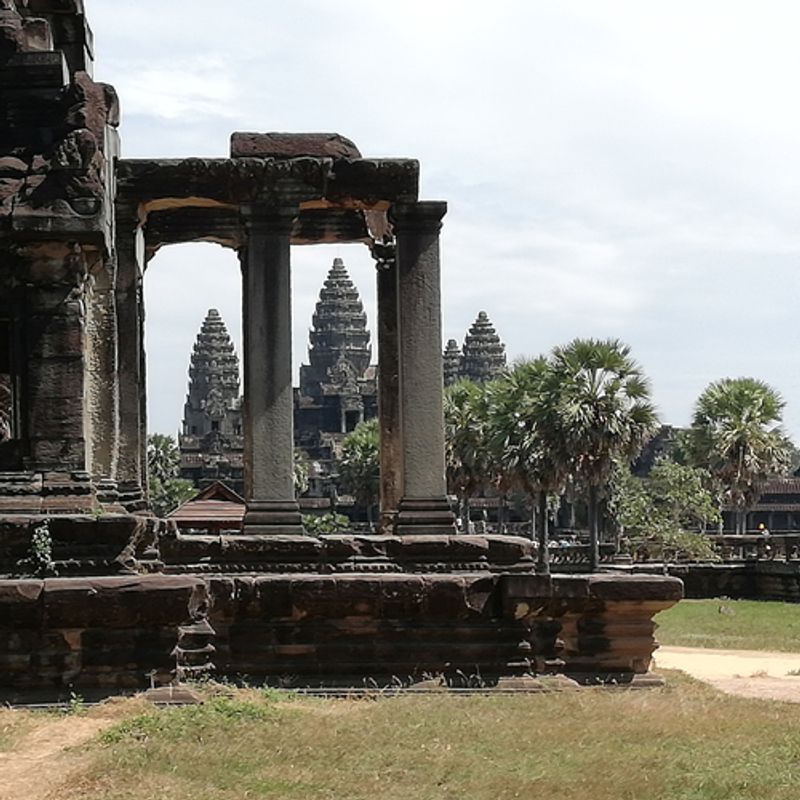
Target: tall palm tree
<point>736,435</point>
<point>602,414</point>
<point>466,451</point>
<point>523,435</point>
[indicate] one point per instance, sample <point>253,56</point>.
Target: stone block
<point>509,549</point>
<point>274,597</point>
<point>360,596</point>
<point>21,604</point>
<point>402,597</point>
<point>635,587</point>
<point>113,603</point>
<point>374,182</point>
<point>35,70</point>
<point>292,145</point>
<point>445,597</point>
<point>316,597</point>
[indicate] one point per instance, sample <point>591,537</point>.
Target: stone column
<point>268,398</point>
<point>423,508</point>
<point>391,443</point>
<point>55,334</point>
<point>103,376</point>
<point>131,459</point>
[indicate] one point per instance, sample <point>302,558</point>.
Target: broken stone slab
<point>173,696</point>
<point>292,145</point>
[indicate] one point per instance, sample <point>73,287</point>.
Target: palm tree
<point>736,435</point>
<point>602,414</point>
<point>163,457</point>
<point>466,451</point>
<point>523,432</point>
<point>165,488</point>
<point>359,465</point>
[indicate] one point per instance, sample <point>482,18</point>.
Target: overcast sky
<point>626,169</point>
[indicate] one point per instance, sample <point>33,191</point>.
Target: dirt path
<point>45,758</point>
<point>748,673</point>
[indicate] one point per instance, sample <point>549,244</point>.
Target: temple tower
<point>484,354</point>
<point>452,362</point>
<point>339,351</point>
<point>211,442</point>
<point>338,387</point>
<point>213,401</point>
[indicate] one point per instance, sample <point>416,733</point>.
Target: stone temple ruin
<point>129,599</point>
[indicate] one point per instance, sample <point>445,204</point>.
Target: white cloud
<point>617,168</point>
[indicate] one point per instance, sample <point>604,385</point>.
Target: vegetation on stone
<point>39,562</point>
<point>325,523</point>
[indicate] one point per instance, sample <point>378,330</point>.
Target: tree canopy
<point>736,435</point>
<point>359,465</point>
<point>665,513</point>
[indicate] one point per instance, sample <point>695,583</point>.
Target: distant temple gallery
<point>337,391</point>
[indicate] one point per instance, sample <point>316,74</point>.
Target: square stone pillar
<point>391,443</point>
<point>268,397</point>
<point>424,508</point>
<point>131,460</point>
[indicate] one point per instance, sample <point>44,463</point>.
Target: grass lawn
<point>684,742</point>
<point>731,625</point>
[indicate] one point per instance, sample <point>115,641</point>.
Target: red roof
<point>217,506</point>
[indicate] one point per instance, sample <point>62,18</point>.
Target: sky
<point>617,169</point>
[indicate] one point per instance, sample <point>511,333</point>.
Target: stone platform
<point>109,634</point>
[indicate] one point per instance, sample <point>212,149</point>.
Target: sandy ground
<point>748,673</point>
<point>47,757</point>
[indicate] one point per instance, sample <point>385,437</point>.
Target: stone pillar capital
<point>269,219</point>
<point>422,217</point>
<point>384,254</point>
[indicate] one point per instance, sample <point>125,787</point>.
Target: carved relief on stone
<point>343,376</point>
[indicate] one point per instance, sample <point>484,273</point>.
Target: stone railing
<point>757,547</point>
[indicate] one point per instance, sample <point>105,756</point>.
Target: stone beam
<point>306,182</point>
<point>223,225</point>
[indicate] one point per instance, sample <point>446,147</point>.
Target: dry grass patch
<point>731,625</point>
<point>683,742</point>
<point>13,727</point>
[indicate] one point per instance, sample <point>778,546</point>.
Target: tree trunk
<point>594,529</point>
<point>543,560</point>
<point>534,514</point>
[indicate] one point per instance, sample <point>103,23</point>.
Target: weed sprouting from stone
<point>39,562</point>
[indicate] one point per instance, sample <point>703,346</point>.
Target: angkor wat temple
<point>338,389</point>
<point>135,600</point>
<point>482,357</point>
